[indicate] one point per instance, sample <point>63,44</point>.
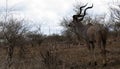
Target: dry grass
<point>74,57</point>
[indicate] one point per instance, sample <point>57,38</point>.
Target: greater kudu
<point>92,34</point>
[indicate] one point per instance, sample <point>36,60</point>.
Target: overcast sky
<point>49,13</point>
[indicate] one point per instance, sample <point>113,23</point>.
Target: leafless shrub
<point>14,31</point>
<point>35,38</point>
<point>115,20</point>
<point>69,33</point>
<point>51,60</point>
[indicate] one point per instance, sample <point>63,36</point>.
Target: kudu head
<point>79,17</point>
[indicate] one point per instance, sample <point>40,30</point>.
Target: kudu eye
<point>69,25</point>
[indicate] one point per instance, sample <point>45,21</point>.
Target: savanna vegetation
<point>23,48</point>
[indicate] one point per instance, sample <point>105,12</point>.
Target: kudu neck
<point>80,26</point>
<point>81,29</point>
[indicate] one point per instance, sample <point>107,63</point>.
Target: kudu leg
<point>92,54</point>
<point>89,53</point>
<point>90,57</point>
<point>103,53</point>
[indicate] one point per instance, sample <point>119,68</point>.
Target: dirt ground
<point>70,56</point>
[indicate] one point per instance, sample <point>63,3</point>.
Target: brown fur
<point>97,35</point>
<point>93,34</point>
